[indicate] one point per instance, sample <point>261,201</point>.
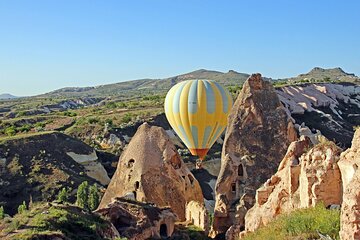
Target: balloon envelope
<point>197,110</point>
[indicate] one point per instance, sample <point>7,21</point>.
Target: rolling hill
<point>7,96</point>
<point>334,74</point>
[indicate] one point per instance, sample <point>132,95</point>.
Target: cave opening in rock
<point>137,185</point>
<point>240,170</point>
<point>191,179</point>
<point>130,163</point>
<point>233,187</point>
<point>163,230</point>
<point>121,222</point>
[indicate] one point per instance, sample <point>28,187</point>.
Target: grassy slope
<point>301,224</point>
<point>55,220</point>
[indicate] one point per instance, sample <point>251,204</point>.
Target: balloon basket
<point>198,164</point>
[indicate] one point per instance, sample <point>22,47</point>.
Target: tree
<point>63,195</point>
<point>10,131</point>
<point>2,214</point>
<point>94,197</point>
<point>22,208</point>
<point>82,195</point>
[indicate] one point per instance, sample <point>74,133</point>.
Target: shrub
<point>126,118</point>
<point>21,114</point>
<point>10,131</point>
<point>69,114</point>
<point>111,105</point>
<point>93,120</point>
<point>2,213</point>
<point>82,195</point>
<point>63,195</point>
<point>25,128</point>
<point>109,121</point>
<point>94,197</point>
<point>22,208</point>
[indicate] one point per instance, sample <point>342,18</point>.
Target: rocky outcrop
<point>320,178</point>
<point>304,179</point>
<point>94,168</point>
<point>258,134</point>
<point>331,108</point>
<point>350,208</point>
<point>151,170</point>
<point>197,215</point>
<point>139,221</point>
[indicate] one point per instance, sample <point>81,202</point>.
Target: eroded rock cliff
<point>258,134</point>
<point>350,208</point>
<point>304,178</point>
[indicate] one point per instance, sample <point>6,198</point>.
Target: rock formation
<point>197,215</point>
<point>350,209</point>
<point>151,170</point>
<point>139,221</point>
<point>331,108</point>
<point>256,139</point>
<point>303,180</point>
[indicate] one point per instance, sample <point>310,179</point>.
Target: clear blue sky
<point>45,45</point>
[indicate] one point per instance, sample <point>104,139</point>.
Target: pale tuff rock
<point>151,169</point>
<point>139,221</point>
<point>305,131</point>
<point>197,215</point>
<point>94,168</point>
<point>304,179</point>
<point>256,139</point>
<point>299,99</point>
<point>331,108</point>
<point>350,209</point>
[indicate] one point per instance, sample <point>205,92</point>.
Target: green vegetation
<point>94,197</point>
<point>69,114</point>
<point>82,195</point>
<point>2,213</point>
<point>51,219</point>
<point>88,197</point>
<point>301,224</point>
<point>126,118</point>
<point>22,208</point>
<point>10,131</point>
<point>64,195</point>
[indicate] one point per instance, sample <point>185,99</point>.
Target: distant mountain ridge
<point>7,96</point>
<point>156,86</point>
<point>336,74</point>
<point>150,85</point>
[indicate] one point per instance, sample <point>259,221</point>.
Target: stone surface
<point>350,209</point>
<point>258,134</point>
<point>94,168</point>
<point>197,215</point>
<point>332,108</point>
<point>139,221</point>
<point>304,179</point>
<point>151,169</point>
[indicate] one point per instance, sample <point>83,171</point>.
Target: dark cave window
<point>137,185</point>
<point>240,170</point>
<point>163,230</point>
<point>191,179</point>
<point>233,187</point>
<point>131,163</point>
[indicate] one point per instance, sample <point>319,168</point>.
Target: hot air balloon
<point>197,110</point>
